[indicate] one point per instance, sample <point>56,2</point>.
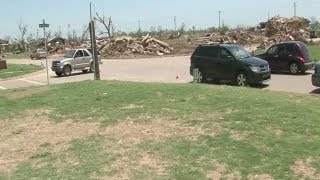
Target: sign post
<point>44,26</point>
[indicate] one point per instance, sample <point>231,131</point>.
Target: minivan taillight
<point>302,60</point>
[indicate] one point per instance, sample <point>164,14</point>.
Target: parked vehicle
<point>316,76</point>
<point>74,60</point>
<point>38,54</point>
<point>292,56</point>
<point>229,63</point>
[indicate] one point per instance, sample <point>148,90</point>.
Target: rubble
<point>56,45</point>
<point>276,30</point>
<point>126,45</point>
<point>235,37</point>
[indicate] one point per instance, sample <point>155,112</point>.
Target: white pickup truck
<point>74,60</point>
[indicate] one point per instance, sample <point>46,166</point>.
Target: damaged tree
<point>23,31</point>
<point>108,25</point>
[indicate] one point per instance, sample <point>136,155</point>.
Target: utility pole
<point>268,16</point>
<point>219,20</point>
<point>139,24</point>
<point>59,32</point>
<point>295,9</point>
<point>94,47</point>
<point>175,23</point>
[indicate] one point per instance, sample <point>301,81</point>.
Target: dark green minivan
<point>229,63</point>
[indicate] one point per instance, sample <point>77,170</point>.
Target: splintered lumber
<point>165,45</point>
<point>145,39</point>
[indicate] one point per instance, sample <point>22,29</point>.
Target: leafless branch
<point>107,23</point>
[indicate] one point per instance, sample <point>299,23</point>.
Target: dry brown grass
<point>303,169</point>
<point>260,177</point>
<point>220,172</point>
<point>123,138</point>
<point>21,137</point>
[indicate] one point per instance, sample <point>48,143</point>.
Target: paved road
<point>166,69</point>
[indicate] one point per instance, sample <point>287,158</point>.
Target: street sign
<point>43,25</point>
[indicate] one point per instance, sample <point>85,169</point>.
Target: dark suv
<point>293,56</point>
<point>230,63</point>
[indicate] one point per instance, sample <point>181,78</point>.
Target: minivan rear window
<point>305,51</point>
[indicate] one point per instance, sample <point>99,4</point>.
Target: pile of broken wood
<point>276,30</point>
<point>280,29</point>
<point>127,45</point>
<point>241,37</point>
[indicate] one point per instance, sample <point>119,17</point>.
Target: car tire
<point>85,71</point>
<point>91,67</point>
<point>67,70</point>
<point>201,77</point>
<point>59,74</point>
<point>294,68</point>
<point>241,79</point>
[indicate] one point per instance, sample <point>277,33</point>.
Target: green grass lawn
<point>18,56</point>
<point>14,70</point>
<point>315,51</point>
<point>124,130</point>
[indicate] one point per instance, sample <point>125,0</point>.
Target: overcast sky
<point>127,13</point>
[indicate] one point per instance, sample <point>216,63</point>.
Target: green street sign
<point>43,25</point>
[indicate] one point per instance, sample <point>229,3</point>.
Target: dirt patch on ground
<point>21,137</point>
<point>129,132</point>
<point>132,106</point>
<point>239,136</point>
<point>303,169</point>
<point>276,130</point>
<point>19,94</point>
<point>154,163</point>
<point>220,172</point>
<point>260,177</point>
<point>123,139</point>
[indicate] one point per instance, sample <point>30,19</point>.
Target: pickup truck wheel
<point>91,68</point>
<point>85,71</point>
<point>66,70</point>
<point>59,74</point>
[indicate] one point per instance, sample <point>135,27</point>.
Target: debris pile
<point>295,26</point>
<point>276,30</point>
<point>280,29</point>
<point>127,45</point>
<point>241,37</point>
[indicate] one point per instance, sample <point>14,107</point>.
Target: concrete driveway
<point>165,69</point>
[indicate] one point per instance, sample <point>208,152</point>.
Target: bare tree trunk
<point>108,25</point>
<point>23,30</point>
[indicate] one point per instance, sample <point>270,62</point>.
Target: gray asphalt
<point>165,69</point>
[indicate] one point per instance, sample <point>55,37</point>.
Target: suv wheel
<point>59,74</point>
<point>294,68</point>
<point>67,70</point>
<point>201,77</point>
<point>241,79</point>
